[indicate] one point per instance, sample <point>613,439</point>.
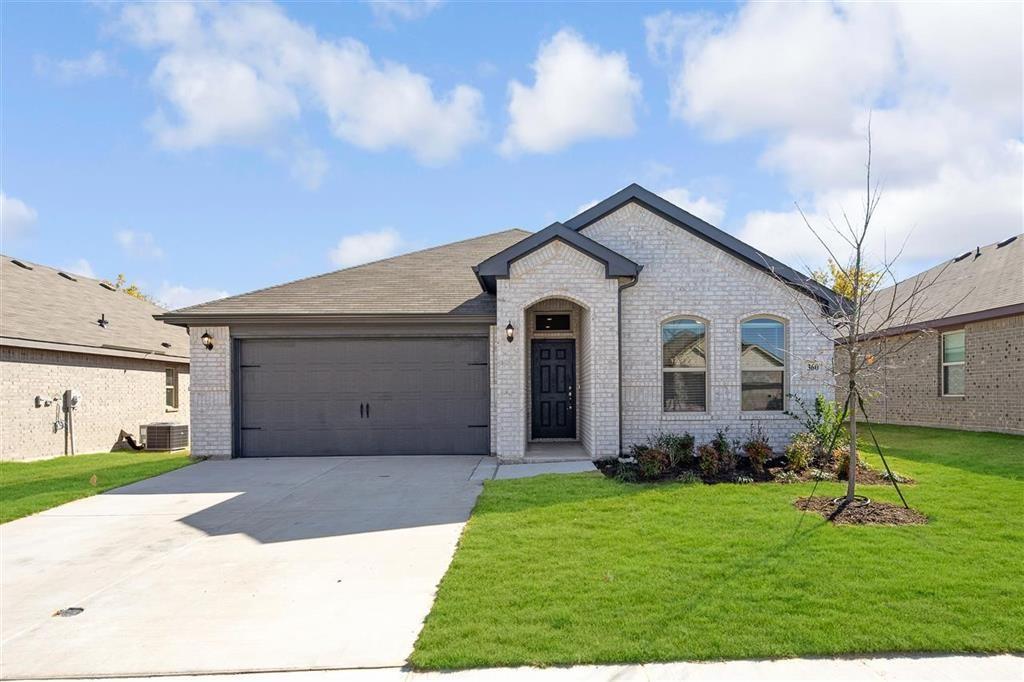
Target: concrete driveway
<point>244,565</point>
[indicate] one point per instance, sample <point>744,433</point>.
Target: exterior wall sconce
<point>207,340</point>
<point>510,332</point>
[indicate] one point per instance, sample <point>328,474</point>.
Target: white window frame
<point>785,363</point>
<point>943,364</point>
<point>707,363</point>
<point>171,382</point>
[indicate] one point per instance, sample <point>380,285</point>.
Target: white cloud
<point>579,92</point>
<point>942,86</point>
<point>387,11</point>
<point>138,244</point>
<point>92,65</point>
<point>702,207</point>
<point>242,73</point>
<point>364,247</point>
<point>16,217</point>
<point>80,267</point>
<point>174,296</point>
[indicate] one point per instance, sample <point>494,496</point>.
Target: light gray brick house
<point>59,332</point>
<point>632,318</point>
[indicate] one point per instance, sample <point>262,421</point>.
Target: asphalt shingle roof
<point>984,279</point>
<point>40,306</point>
<point>437,280</point>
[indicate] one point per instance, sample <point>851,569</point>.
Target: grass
<point>582,569</point>
<point>31,487</point>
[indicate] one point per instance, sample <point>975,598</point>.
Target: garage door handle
<point>367,410</point>
<point>360,410</point>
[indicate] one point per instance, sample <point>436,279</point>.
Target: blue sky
<point>221,148</point>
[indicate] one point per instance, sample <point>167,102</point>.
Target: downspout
<point>622,287</point>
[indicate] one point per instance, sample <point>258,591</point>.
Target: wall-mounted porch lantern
<point>207,340</point>
<point>510,332</point>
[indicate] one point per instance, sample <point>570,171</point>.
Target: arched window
<point>762,364</point>
<point>684,366</point>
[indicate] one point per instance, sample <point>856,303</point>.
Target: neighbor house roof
<point>709,233</point>
<point>51,309</point>
<point>983,283</point>
<point>497,266</point>
<point>435,281</point>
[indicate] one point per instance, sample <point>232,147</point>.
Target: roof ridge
<point>354,267</point>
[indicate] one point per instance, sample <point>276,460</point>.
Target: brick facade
<point>557,271</point>
<point>908,389</point>
<point>211,393</point>
<point>684,275</point>
<point>117,393</point>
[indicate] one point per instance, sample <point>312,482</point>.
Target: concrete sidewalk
<point>896,669</point>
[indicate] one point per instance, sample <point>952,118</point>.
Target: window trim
<point>676,414</point>
<point>943,364</point>
<point>171,381</point>
<point>785,363</point>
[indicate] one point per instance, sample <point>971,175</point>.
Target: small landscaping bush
<point>653,463</point>
<point>757,449</point>
<point>800,451</point>
<point>718,458</point>
<point>679,448</point>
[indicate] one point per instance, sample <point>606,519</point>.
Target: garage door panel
<point>422,396</point>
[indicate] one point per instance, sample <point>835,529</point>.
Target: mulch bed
<point>860,514</point>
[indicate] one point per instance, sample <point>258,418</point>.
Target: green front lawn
<point>582,569</point>
<point>30,487</point>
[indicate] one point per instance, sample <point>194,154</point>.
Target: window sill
<point>960,397</point>
<point>685,416</point>
<point>171,409</point>
<point>761,416</point>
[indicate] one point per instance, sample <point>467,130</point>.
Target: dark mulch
<point>860,514</point>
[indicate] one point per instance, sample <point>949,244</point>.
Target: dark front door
<point>553,385</point>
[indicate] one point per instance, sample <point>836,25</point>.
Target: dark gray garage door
<point>302,397</point>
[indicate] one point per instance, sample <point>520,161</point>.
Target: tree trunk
<point>851,469</point>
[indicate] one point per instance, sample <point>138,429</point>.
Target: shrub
<point>678,446</point>
<point>757,448</point>
<point>842,457</point>
<point>800,451</point>
<point>744,479</point>
<point>688,477</point>
<point>823,421</point>
<point>718,458</point>
<point>653,463</point>
<point>787,477</point>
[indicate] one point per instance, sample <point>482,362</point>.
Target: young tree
<point>869,326</point>
<point>132,289</point>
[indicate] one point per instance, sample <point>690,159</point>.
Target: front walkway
<point>901,669</point>
<point>266,564</point>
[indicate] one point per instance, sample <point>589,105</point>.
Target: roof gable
<point>709,233</point>
<point>497,266</point>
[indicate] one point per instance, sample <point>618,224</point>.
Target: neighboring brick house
<point>963,365</point>
<point>60,332</point>
<point>632,318</point>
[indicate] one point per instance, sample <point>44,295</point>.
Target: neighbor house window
<point>953,354</point>
<point>171,388</point>
<point>684,366</point>
<point>762,364</point>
